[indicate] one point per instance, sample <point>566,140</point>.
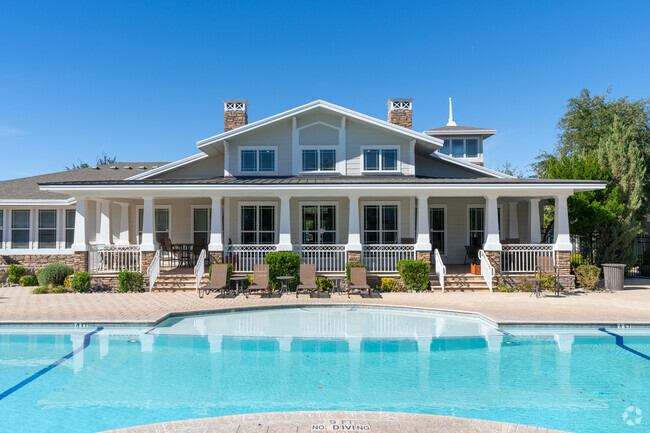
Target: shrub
<point>15,272</point>
<point>40,291</point>
<point>324,284</point>
<point>28,280</point>
<point>79,282</point>
<point>390,285</point>
<point>128,281</point>
<point>352,265</point>
<point>59,289</point>
<point>54,274</point>
<point>414,274</point>
<point>587,276</point>
<point>503,287</point>
<point>245,284</point>
<point>549,284</point>
<point>576,258</point>
<point>66,282</point>
<point>228,272</point>
<point>283,263</point>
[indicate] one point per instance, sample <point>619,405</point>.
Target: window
<point>380,159</point>
<point>445,147</point>
<point>318,224</point>
<point>461,148</point>
<point>458,148</point>
<point>476,226</point>
<point>20,229</point>
<point>471,148</point>
<point>47,228</point>
<point>261,160</point>
<point>318,160</point>
<point>2,214</point>
<point>69,227</point>
<point>257,224</point>
<point>161,224</point>
<point>201,224</point>
<point>437,228</point>
<point>380,224</point>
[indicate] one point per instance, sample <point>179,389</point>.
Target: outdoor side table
<point>336,279</point>
<point>284,279</point>
<point>537,285</point>
<point>239,280</point>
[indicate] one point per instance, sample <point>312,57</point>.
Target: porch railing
<point>384,257</point>
<point>154,270</point>
<point>522,258</point>
<point>487,270</point>
<point>199,269</point>
<point>441,269</point>
<point>327,258</point>
<point>244,257</point>
<point>114,258</point>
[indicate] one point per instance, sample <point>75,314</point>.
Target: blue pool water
<point>91,379</point>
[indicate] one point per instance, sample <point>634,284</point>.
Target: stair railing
<point>441,269</point>
<point>487,270</point>
<point>154,270</point>
<point>199,268</point>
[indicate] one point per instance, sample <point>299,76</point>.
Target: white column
<point>79,243</point>
<point>513,221</point>
<point>147,226</point>
<point>124,224</point>
<point>6,230</point>
<point>216,242</point>
<point>562,234</point>
<point>492,241</point>
<point>104,216</point>
<point>226,220</point>
<point>534,225</point>
<point>284,243</point>
<point>423,243</point>
<point>354,236</point>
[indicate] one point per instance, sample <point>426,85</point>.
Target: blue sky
<point>145,80</point>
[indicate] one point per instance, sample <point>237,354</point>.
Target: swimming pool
<point>94,379</point>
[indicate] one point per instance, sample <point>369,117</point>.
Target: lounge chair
<point>218,281</point>
<point>546,266</point>
<point>260,284</point>
<point>307,282</point>
<point>358,282</point>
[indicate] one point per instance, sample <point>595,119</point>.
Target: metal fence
<point>585,251</point>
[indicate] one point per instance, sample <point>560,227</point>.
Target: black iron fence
<point>585,251</point>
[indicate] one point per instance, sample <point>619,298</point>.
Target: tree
<point>510,170</point>
<point>102,159</point>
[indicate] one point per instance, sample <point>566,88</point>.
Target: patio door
<point>257,224</point>
<point>476,226</point>
<point>318,224</point>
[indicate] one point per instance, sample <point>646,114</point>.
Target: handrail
<point>487,270</point>
<point>441,269</point>
<point>154,270</point>
<point>199,268</point>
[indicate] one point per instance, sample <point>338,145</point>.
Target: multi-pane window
<point>257,160</point>
<point>476,226</point>
<point>257,224</point>
<point>380,159</point>
<point>161,224</point>
<point>445,147</point>
<point>47,228</point>
<point>2,226</point>
<point>318,160</point>
<point>461,148</point>
<point>458,148</point>
<point>201,224</point>
<point>69,227</point>
<point>318,224</point>
<point>20,229</point>
<point>380,224</point>
<point>437,228</point>
<point>471,148</point>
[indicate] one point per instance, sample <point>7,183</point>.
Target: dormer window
<point>461,148</point>
<point>258,160</point>
<point>380,159</point>
<point>318,160</point>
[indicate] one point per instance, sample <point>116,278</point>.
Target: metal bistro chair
<point>546,266</point>
<point>168,251</point>
<point>199,244</point>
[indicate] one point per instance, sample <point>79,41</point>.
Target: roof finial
<point>451,116</point>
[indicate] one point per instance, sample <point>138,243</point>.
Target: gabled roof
<point>461,130</point>
<point>205,144</point>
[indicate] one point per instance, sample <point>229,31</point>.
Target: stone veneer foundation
<point>78,260</point>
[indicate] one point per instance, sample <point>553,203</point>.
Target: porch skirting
<point>35,262</point>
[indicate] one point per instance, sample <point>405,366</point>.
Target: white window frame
<point>444,222</point>
<point>2,228</point>
<point>209,231</point>
<point>337,231</point>
<point>479,148</point>
<point>29,230</point>
<point>138,229</point>
<point>380,203</point>
<point>381,159</point>
<point>66,228</point>
<point>39,228</point>
<point>318,151</point>
<point>257,149</point>
<point>276,210</point>
<point>471,206</point>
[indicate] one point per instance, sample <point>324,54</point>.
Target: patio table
<point>284,279</point>
<point>537,285</point>
<point>185,258</point>
<point>239,281</point>
<point>336,279</point>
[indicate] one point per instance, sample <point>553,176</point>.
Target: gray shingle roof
<point>26,188</point>
<point>458,128</point>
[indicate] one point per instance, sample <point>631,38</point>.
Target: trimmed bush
<point>59,289</point>
<point>40,291</point>
<point>324,284</point>
<point>28,280</point>
<point>128,281</point>
<point>390,285</point>
<point>351,265</point>
<point>283,263</point>
<point>15,273</point>
<point>228,272</point>
<point>414,274</point>
<point>80,282</point>
<point>587,276</point>
<point>54,274</point>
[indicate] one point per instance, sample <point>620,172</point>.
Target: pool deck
<point>337,421</point>
<point>631,306</point>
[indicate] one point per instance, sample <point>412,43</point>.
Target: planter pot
<point>475,269</point>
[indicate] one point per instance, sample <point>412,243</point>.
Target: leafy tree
<point>511,170</point>
<point>102,159</point>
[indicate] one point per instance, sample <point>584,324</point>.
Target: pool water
<point>95,379</point>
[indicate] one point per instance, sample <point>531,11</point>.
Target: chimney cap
<point>400,103</point>
<point>235,104</point>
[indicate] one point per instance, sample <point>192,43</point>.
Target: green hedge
<point>351,265</point>
<point>54,274</point>
<point>15,273</point>
<point>128,281</point>
<point>228,273</point>
<point>280,264</point>
<point>81,282</point>
<point>28,280</point>
<point>414,274</point>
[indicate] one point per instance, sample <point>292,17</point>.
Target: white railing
<point>522,258</point>
<point>199,269</point>
<point>441,269</point>
<point>244,257</point>
<point>154,270</point>
<point>487,270</point>
<point>327,258</point>
<point>114,258</point>
<point>384,257</point>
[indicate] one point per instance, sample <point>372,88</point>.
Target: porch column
<point>147,225</point>
<point>513,221</point>
<point>284,243</point>
<point>423,243</point>
<point>216,241</point>
<point>124,224</point>
<point>353,247</point>
<point>562,234</point>
<point>534,226</point>
<point>104,217</point>
<point>79,243</point>
<point>492,241</point>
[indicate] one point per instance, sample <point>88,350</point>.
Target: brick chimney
<point>400,112</point>
<point>235,113</point>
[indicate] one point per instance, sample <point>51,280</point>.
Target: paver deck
<point>630,306</point>
<point>333,422</point>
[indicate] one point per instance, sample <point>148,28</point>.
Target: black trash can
<point>614,275</point>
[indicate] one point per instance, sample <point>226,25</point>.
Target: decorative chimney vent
<point>235,113</point>
<point>400,112</point>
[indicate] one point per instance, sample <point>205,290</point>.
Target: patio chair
<point>168,251</point>
<point>471,254</point>
<point>218,281</point>
<point>546,266</point>
<point>199,244</point>
<point>358,282</point>
<point>307,281</point>
<point>260,284</point>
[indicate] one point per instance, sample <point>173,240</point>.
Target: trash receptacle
<point>614,275</point>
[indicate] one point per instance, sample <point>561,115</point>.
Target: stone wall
<point>401,117</point>
<point>563,262</point>
<point>234,119</point>
<point>78,260</point>
<point>216,256</point>
<point>425,256</point>
<point>354,256</point>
